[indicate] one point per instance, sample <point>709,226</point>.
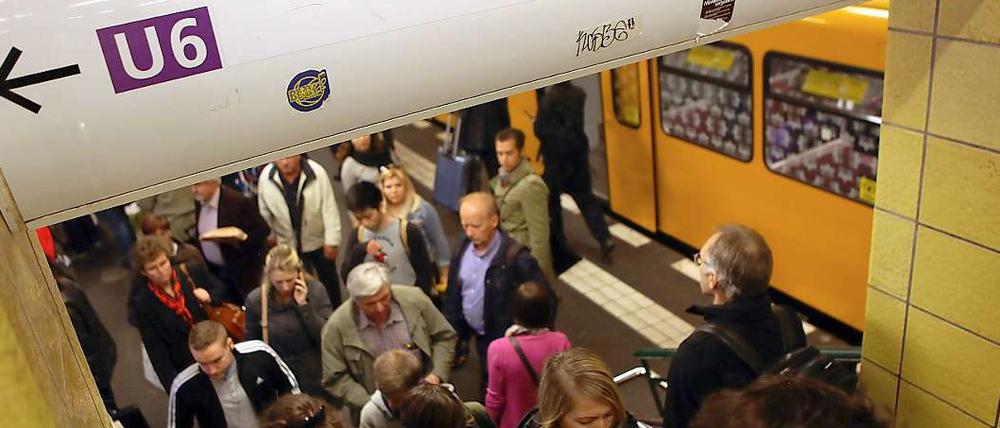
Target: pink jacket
<point>511,392</point>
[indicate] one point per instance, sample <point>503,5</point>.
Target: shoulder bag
<point>232,317</point>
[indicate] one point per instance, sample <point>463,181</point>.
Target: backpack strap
<point>524,359</point>
<point>404,236</point>
<point>787,327</point>
<point>735,343</point>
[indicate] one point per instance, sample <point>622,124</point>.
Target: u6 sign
<point>159,49</point>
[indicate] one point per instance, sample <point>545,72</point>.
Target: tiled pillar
<point>44,378</point>
<point>932,333</point>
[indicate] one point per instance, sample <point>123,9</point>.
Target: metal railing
<point>658,384</point>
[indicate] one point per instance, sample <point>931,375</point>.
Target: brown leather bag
<point>232,317</point>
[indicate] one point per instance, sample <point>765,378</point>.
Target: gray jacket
<point>348,372</point>
<point>294,331</point>
<point>376,414</point>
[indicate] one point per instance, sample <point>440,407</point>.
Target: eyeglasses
<point>697,259</point>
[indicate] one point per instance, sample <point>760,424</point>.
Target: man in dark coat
<point>479,125</point>
<point>98,347</point>
<point>565,151</point>
<point>485,270</point>
<point>237,260</point>
<point>735,269</point>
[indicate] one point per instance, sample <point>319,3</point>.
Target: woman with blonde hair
<point>288,312</point>
<point>577,391</point>
<point>403,202</point>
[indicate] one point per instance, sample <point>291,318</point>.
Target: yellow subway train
<point>777,129</point>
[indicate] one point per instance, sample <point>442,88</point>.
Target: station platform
<point>634,299</point>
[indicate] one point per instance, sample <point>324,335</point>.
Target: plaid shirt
<point>394,335</point>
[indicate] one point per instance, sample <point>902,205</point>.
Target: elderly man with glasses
<point>734,269</point>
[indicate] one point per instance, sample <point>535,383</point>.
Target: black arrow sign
<point>19,82</point>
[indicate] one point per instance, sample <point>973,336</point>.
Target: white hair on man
<point>367,279</point>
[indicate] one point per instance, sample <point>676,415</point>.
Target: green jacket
<point>348,372</point>
<point>524,212</point>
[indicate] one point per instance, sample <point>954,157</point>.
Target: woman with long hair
<point>288,312</point>
<point>361,159</point>
<point>403,202</point>
<point>577,391</point>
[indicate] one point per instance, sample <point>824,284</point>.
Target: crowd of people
<point>382,356</point>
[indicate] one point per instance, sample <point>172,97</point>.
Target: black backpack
<point>805,361</point>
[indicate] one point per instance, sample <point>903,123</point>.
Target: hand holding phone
<point>301,292</point>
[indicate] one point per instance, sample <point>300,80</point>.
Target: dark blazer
<point>704,364</point>
<point>164,334</point>
<point>262,373</point>
<point>512,266</point>
<point>98,347</point>
<point>244,260</point>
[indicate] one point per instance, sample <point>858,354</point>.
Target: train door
<point>629,145</point>
<point>593,126</point>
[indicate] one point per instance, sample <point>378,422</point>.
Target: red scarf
<point>176,303</point>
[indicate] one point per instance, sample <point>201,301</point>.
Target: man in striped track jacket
<point>228,385</point>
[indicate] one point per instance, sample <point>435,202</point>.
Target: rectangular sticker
<point>712,57</point>
<point>866,189</point>
<point>837,86</point>
<point>717,9</point>
<point>159,49</point>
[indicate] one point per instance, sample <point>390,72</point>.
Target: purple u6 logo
<point>160,49</point>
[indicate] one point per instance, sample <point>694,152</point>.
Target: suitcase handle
<point>452,145</point>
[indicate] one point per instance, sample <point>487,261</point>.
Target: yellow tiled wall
<point>932,336</point>
<point>44,378</point>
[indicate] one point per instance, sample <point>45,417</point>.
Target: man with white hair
<point>377,318</point>
<point>735,270</point>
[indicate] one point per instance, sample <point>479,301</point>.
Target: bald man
<point>485,270</point>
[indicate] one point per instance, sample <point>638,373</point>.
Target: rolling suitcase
<point>451,176</point>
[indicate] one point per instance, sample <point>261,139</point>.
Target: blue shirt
<point>472,274</point>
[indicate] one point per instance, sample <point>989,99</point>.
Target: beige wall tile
<point>907,65</point>
<point>969,19</point>
<point>952,364</point>
<point>18,385</point>
<point>961,191</point>
<point>884,321</point>
<point>879,384</point>
<point>892,248</point>
<point>899,155</point>
<point>966,98</point>
<point>949,278</point>
<point>918,409</point>
<point>915,15</point>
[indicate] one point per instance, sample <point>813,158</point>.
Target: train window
<point>705,98</point>
<point>822,123</point>
<point>625,92</point>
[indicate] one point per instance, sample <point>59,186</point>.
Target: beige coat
<point>524,212</point>
<point>348,372</point>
